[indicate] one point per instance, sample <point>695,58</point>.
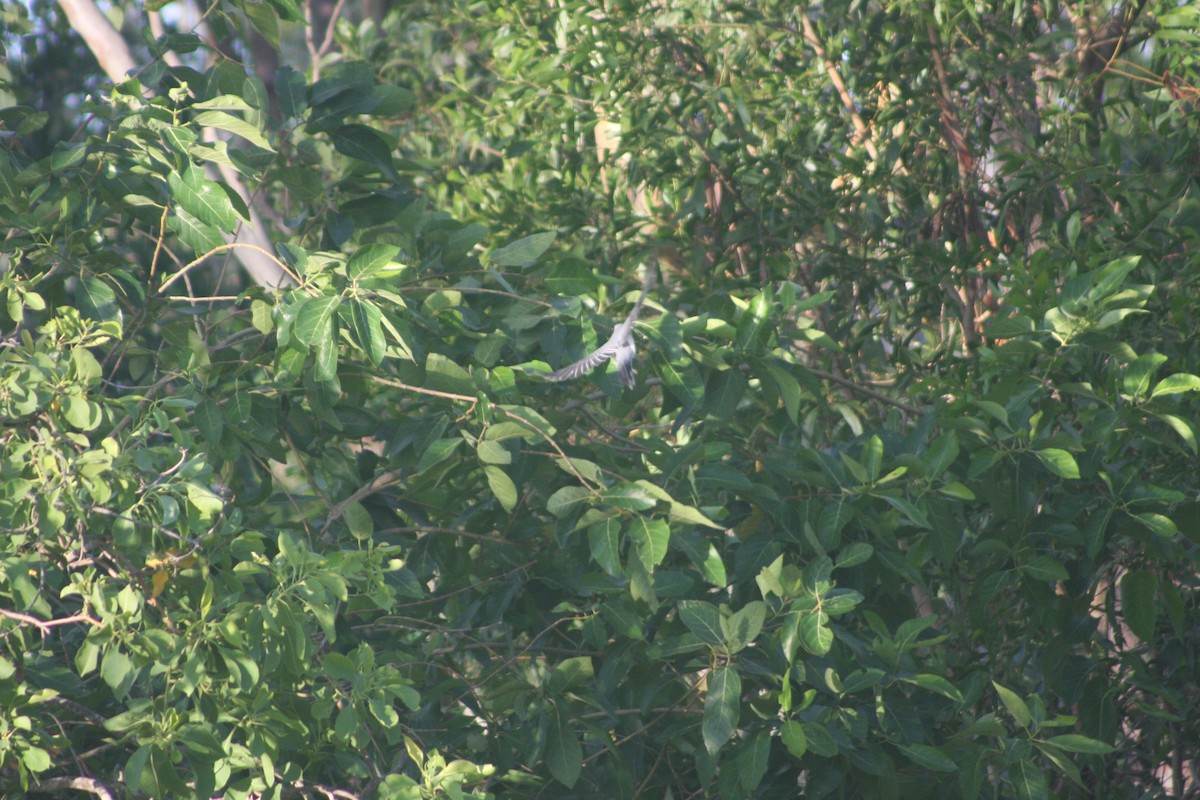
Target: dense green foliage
<point>904,504</point>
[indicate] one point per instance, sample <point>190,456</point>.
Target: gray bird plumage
<point>620,345</point>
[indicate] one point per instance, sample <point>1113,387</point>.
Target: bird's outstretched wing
<point>620,344</point>
<point>589,362</point>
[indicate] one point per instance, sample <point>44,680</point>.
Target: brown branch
<point>860,126</point>
<point>78,783</point>
<point>380,481</point>
<point>858,387</point>
<point>44,625</point>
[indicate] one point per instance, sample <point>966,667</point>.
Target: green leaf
<point>628,496</point>
<point>1029,782</point>
<point>364,144</point>
<point>752,760</point>
<point>96,299</point>
<point>524,252</point>
<point>438,451</point>
<point>1015,705</point>
<point>81,413</point>
<point>1182,427</point>
<point>909,509</point>
<point>570,673</point>
<point>1157,523</point>
<point>571,278</point>
<point>935,683</point>
<point>492,452</point>
<point>200,236</point>
<point>834,517</point>
<point>228,122</point>
<point>445,375</point>
<point>291,91</point>
<point>872,458</point>
<point>703,620</point>
<point>754,320</point>
<point>264,19</point>
<point>789,390</point>
<point>724,392</point>
<point>339,666</point>
<point>854,554</point>
<point>957,490</point>
<point>1076,743</point>
<point>741,628</point>
<point>929,757</point>
<point>1176,384</point>
<point>791,733</point>
<point>568,499</point>
<point>115,669</point>
<point>820,741</point>
<point>814,633</point>
<point>210,421</point>
<point>369,260</point>
<point>604,542</point>
<point>366,330</point>
<point>941,454</point>
<point>359,521</point>
<point>691,516</point>
<point>325,357</point>
<point>35,759</point>
<point>314,319</point>
<point>650,538</point>
<point>564,754</point>
<point>67,155</point>
<point>1060,462</point>
<point>202,198</point>
<point>348,723</point>
<point>722,707</point>
<point>207,502</point>
<point>840,601</point>
<point>1136,380</point>
<point>1138,590</point>
<point>502,487</point>
<point>1045,568</point>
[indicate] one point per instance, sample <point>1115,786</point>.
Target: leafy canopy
<point>903,504</point>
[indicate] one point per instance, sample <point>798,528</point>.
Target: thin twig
<point>45,625</point>
<point>230,246</point>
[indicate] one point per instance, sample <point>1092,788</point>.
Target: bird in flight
<point>620,345</point>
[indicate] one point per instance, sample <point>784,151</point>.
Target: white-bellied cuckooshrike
<point>620,345</point>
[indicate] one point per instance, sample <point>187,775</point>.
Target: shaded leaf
<point>564,754</point>
<point>525,251</point>
<point>1138,590</point>
<point>702,619</point>
<point>1015,705</point>
<point>502,487</point>
<point>722,707</point>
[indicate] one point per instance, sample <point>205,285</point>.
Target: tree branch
<point>117,62</point>
<point>78,783</point>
